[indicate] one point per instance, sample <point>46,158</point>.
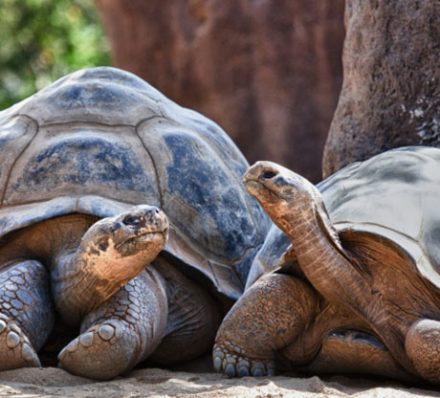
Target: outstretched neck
<point>337,277</point>
<point>324,261</point>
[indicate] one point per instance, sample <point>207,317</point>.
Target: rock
<point>391,89</point>
<point>269,72</point>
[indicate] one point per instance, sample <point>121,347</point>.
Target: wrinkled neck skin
<point>81,283</point>
<point>321,258</point>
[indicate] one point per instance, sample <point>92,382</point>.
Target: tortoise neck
<point>324,261</point>
<point>333,272</point>
<point>337,276</point>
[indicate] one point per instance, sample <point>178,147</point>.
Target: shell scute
<point>202,191</point>
<point>69,162</point>
<point>72,160</point>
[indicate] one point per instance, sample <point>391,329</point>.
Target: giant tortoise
<point>90,165</point>
<point>359,289</point>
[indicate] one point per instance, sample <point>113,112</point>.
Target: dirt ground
<point>53,382</point>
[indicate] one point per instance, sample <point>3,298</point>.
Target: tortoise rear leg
<point>26,314</point>
<point>122,332</point>
<point>422,345</point>
<point>268,317</point>
<point>354,352</point>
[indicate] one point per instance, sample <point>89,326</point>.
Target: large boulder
<point>391,89</point>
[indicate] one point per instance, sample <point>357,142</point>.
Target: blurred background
<point>269,72</point>
<point>42,40</point>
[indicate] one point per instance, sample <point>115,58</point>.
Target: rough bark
<point>391,92</point>
<point>269,72</point>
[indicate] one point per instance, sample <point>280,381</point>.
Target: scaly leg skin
<point>26,314</point>
<point>121,332</point>
<point>113,251</point>
<point>268,317</point>
<point>193,318</point>
<point>422,345</point>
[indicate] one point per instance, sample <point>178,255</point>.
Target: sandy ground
<point>53,382</point>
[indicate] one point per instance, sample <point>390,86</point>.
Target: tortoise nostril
<point>268,174</point>
<point>152,214</point>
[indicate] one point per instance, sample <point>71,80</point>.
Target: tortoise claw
<point>102,352</point>
<point>16,350</point>
<point>237,365</point>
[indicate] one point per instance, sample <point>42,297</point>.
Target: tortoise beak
<point>260,174</point>
<point>250,180</point>
<point>259,171</point>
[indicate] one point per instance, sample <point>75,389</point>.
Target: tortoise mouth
<point>143,240</point>
<point>260,190</point>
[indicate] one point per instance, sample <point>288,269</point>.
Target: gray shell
<point>101,140</point>
<point>394,195</point>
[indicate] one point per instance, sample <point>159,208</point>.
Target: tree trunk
<point>269,72</point>
<point>390,95</point>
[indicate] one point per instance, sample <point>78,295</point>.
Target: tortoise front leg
<point>26,314</point>
<point>122,332</point>
<point>269,316</point>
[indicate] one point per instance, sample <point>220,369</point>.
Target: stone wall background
<point>391,91</point>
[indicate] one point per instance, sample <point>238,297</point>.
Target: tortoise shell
<point>393,197</point>
<point>101,140</point>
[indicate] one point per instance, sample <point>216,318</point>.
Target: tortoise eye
<point>131,220</point>
<point>103,244</point>
<point>267,175</point>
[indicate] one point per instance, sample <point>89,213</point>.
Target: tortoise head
<point>279,190</point>
<point>140,231</point>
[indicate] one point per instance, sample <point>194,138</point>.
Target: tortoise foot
<point>235,364</point>
<point>16,350</point>
<point>102,352</point>
<point>422,345</point>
